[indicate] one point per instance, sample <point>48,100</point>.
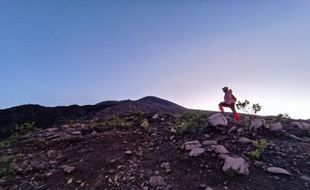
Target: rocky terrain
<point>155,144</point>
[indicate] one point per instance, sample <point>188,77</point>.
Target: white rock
<point>70,181</point>
<point>220,149</point>
<point>277,170</point>
<point>68,169</point>
<point>155,116</point>
<point>52,129</point>
<point>233,166</point>
<point>189,145</point>
<point>76,132</point>
<point>218,119</point>
<point>244,140</point>
<point>276,127</point>
<point>209,188</point>
<point>257,123</point>
<point>128,152</point>
<point>196,152</point>
<point>172,130</point>
<point>209,142</point>
<point>157,181</point>
<point>145,124</point>
<point>301,125</point>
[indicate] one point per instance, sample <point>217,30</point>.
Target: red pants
<point>232,107</point>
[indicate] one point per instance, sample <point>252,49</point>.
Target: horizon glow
<point>77,52</point>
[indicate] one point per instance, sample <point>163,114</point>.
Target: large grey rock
<point>276,127</point>
<point>157,181</point>
<point>301,125</point>
<point>218,119</point>
<point>189,145</point>
<point>257,123</point>
<point>233,166</point>
<point>196,152</point>
<point>277,170</point>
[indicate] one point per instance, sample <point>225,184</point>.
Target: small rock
<point>209,142</point>
<point>207,136</point>
<point>220,149</point>
<point>70,181</point>
<point>277,170</point>
<point>239,131</point>
<point>234,166</point>
<point>306,178</point>
<point>172,130</point>
<point>51,153</point>
<point>76,132</point>
<point>165,165</point>
<point>145,124</point>
<point>52,129</point>
<point>203,185</point>
<point>244,140</point>
<point>157,181</point>
<point>209,188</point>
<point>196,152</point>
<point>189,145</point>
<point>259,164</point>
<point>295,137</point>
<point>305,139</point>
<point>155,116</point>
<point>68,169</point>
<point>128,152</point>
<point>168,170</point>
<point>232,129</point>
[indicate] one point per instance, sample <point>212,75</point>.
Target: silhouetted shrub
<point>246,107</point>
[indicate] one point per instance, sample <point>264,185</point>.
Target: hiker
<point>229,101</point>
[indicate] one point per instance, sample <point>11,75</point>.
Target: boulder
<point>189,145</point>
<point>233,166</point>
<point>276,127</point>
<point>257,123</point>
<point>196,152</point>
<point>218,119</point>
<point>277,170</point>
<point>301,125</point>
<point>157,181</point>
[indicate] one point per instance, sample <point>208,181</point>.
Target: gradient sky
<point>56,52</point>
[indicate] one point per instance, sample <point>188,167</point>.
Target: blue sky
<point>82,52</point>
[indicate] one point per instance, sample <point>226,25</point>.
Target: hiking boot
<point>236,117</point>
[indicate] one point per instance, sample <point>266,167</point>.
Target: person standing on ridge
<point>229,101</point>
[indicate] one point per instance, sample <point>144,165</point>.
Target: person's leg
<point>221,105</point>
<point>236,115</point>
